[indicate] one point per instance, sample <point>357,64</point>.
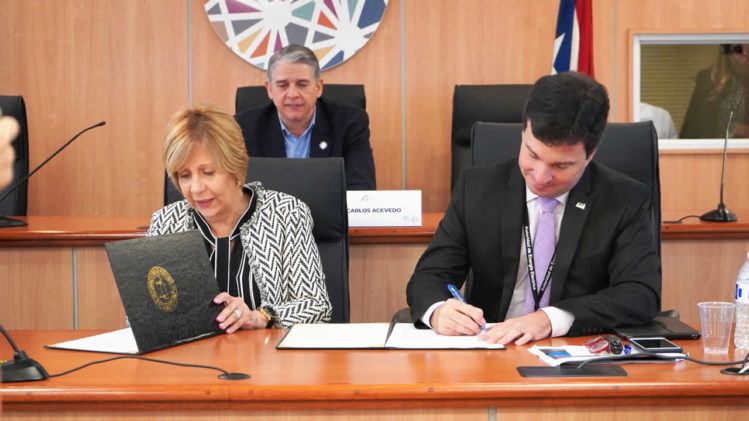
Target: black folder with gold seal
<point>167,287</point>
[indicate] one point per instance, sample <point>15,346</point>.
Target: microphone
<point>11,222</point>
<point>722,214</point>
<point>22,368</point>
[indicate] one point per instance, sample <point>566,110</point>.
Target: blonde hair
<point>721,75</point>
<point>219,132</point>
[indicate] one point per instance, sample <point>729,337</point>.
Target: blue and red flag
<point>573,45</point>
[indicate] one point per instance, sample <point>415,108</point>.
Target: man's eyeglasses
<point>605,345</point>
<point>729,49</point>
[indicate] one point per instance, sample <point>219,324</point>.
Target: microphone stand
<point>722,214</point>
<point>21,368</point>
<point>11,222</point>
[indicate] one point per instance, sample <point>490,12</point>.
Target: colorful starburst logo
<point>334,29</point>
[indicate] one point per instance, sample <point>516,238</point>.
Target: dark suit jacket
<point>344,128</point>
<point>607,270</point>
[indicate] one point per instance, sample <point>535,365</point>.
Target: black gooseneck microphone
<point>722,214</point>
<point>10,222</point>
<point>21,368</point>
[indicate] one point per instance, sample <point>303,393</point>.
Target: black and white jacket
<point>284,260</point>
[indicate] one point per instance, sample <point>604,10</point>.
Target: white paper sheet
<point>335,336</point>
<point>116,342</point>
<point>406,336</point>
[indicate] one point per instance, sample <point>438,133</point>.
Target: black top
<point>707,118</point>
<point>231,265</point>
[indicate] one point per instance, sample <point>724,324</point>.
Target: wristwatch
<point>269,314</point>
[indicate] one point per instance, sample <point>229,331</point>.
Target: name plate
<point>384,208</point>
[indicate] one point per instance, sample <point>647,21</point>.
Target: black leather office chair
<point>472,103</point>
<point>630,148</point>
<point>255,96</point>
<point>321,184</point>
<point>16,202</point>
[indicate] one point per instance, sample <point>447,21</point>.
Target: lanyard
<point>537,292</point>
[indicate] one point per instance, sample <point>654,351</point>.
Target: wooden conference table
<point>56,274</point>
<point>360,384</point>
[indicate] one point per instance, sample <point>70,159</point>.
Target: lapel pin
<point>580,205</point>
<point>323,145</point>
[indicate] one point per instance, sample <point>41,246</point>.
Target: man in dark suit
<point>603,271</point>
<point>300,124</point>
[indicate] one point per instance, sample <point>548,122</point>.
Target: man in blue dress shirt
<point>300,124</point>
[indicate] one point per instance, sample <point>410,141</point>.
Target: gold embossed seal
<point>162,288</point>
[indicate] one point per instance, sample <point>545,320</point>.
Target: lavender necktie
<point>543,251</point>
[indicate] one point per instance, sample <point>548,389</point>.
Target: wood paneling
<point>217,72</point>
<point>692,181</point>
<point>700,270</point>
<point>36,288</point>
<point>309,415</point>
<point>449,43</point>
<point>126,62</point>
<point>79,62</point>
<point>614,413</point>
<point>378,275</point>
<point>99,304</point>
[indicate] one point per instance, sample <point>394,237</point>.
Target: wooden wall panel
<point>700,270</point>
<point>126,62</point>
<point>99,304</point>
<point>217,72</point>
<point>79,62</point>
<point>691,182</point>
<point>378,275</point>
<point>449,43</point>
<point>36,288</point>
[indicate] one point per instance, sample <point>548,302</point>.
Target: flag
<point>573,45</point>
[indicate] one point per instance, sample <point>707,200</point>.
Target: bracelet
<point>267,316</point>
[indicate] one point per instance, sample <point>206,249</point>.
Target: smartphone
<point>655,344</point>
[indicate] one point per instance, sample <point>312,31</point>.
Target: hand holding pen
<point>458,296</point>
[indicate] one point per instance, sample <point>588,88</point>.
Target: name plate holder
<point>384,208</point>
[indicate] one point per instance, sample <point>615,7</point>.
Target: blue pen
<point>458,296</point>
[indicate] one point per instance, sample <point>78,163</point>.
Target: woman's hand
<point>236,315</point>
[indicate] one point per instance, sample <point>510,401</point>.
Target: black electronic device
<point>666,324</point>
<point>655,344</point>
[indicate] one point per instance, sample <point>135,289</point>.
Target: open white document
<point>335,336</point>
<point>406,336</point>
<point>374,336</point>
<point>116,342</point>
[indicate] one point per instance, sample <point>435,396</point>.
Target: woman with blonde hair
<point>720,90</point>
<point>260,241</point>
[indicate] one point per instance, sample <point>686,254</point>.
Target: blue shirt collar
<point>287,133</point>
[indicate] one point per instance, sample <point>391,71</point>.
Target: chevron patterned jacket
<point>284,259</point>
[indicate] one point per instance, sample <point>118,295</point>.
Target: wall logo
<point>334,29</point>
